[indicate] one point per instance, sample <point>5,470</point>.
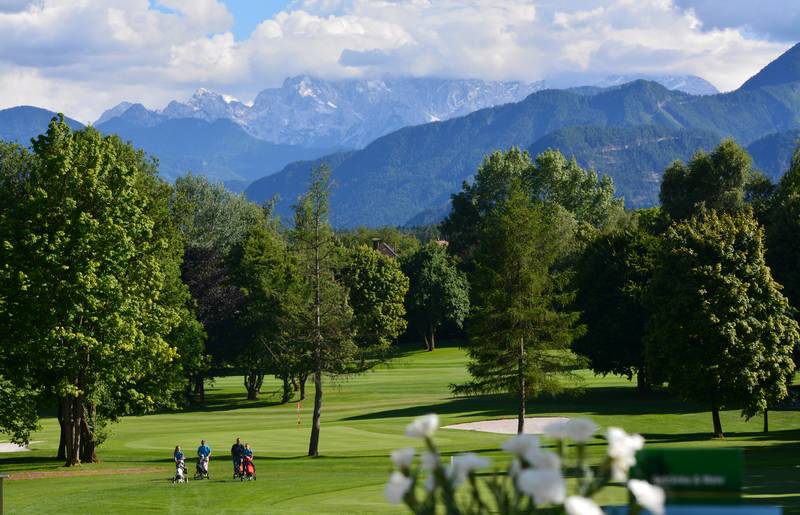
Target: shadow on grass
<point>611,400</point>
<point>233,401</point>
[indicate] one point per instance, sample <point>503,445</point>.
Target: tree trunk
<point>88,452</point>
<point>200,389</point>
<point>73,420</point>
<point>62,441</point>
<point>303,379</point>
<point>717,423</point>
<point>766,420</point>
<point>253,382</point>
<point>424,335</point>
<point>432,338</point>
<point>521,386</point>
<point>287,389</point>
<point>642,384</point>
<point>313,445</point>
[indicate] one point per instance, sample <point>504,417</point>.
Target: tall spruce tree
<point>521,327</point>
<point>326,318</point>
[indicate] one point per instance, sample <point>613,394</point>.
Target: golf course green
<point>362,422</point>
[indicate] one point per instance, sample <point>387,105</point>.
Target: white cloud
<point>82,56</point>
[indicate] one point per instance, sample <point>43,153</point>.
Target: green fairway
<point>362,422</point>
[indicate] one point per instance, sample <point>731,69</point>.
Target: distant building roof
<point>384,248</point>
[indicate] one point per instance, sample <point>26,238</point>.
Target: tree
<point>521,328</point>
<point>710,181</point>
<point>81,278</point>
<point>612,276</point>
<point>212,222</point>
<point>551,178</point>
<point>268,277</point>
<point>720,329</point>
<point>783,233</point>
<point>326,317</point>
<point>438,291</point>
<point>377,289</point>
<point>403,241</point>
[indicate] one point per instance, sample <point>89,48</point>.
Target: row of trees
<point>121,294</point>
<point>682,295</point>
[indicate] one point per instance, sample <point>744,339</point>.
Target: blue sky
<point>249,13</point>
<point>154,51</point>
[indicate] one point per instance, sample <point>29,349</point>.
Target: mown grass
<point>363,421</point>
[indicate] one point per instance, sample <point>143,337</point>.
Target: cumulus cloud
<point>82,57</point>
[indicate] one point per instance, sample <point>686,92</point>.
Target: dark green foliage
<point>783,233</point>
<point>438,291</point>
<point>721,330</point>
<point>612,276</point>
<point>710,181</point>
<point>520,327</point>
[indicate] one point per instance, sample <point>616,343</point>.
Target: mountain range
<point>631,132</point>
<point>430,135</point>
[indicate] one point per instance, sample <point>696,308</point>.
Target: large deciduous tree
<point>521,326</point>
<point>720,329</point>
<point>82,274</point>
<point>612,276</point>
<point>377,289</point>
<point>709,181</point>
<point>438,291</point>
<point>783,233</point>
<point>326,319</point>
<point>551,178</point>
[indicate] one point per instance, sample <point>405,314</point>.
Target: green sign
<point>693,476</point>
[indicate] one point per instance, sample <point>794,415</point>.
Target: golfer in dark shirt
<point>237,450</point>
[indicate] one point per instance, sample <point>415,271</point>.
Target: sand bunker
<point>12,447</point>
<point>508,426</point>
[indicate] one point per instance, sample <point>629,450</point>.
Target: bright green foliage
<point>552,178</point>
<point>720,330</point>
<point>325,320</point>
<point>520,328</point>
<point>18,411</point>
<point>612,276</point>
<point>268,277</point>
<point>783,233</point>
<point>710,181</point>
<point>377,289</point>
<point>438,291</point>
<point>81,279</point>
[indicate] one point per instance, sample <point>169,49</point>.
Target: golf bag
<point>201,469</point>
<point>181,474</point>
<point>247,469</point>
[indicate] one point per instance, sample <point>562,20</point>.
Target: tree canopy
<point>721,329</point>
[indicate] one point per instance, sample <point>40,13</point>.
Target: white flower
<point>546,460</point>
<point>557,429</point>
<point>576,505</point>
<point>546,486</point>
<point>429,460</point>
<point>402,458</point>
<point>514,468</point>
<point>523,446</point>
<point>396,488</point>
<point>622,449</point>
<point>423,427</point>
<point>463,464</point>
<point>581,430</point>
<point>648,496</point>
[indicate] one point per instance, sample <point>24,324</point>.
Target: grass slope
<point>363,420</point>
